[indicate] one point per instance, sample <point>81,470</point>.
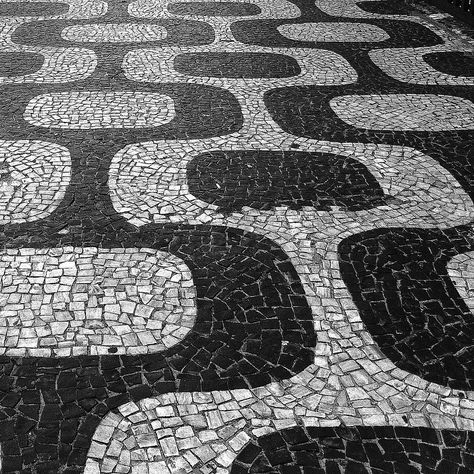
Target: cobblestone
<point>235,236</point>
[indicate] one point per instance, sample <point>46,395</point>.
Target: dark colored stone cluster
<point>384,8</point>
<point>455,63</point>
<point>237,65</point>
<point>19,64</point>
<point>399,282</point>
<point>359,450</point>
<point>266,179</point>
<point>214,9</point>
<point>32,9</point>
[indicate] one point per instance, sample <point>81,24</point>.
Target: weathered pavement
<point>236,236</point>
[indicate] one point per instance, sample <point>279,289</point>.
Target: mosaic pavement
<point>236,236</point>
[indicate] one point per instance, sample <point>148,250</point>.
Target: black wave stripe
<point>385,8</point>
<point>455,63</point>
<point>399,281</point>
<point>358,450</point>
<point>214,9</point>
<point>14,9</point>
<point>19,63</point>
<point>402,33</point>
<point>265,179</point>
<point>253,326</point>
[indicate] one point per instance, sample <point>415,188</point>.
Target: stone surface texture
<point>236,236</point>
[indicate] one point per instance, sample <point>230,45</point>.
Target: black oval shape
<point>360,449</point>
<point>265,179</point>
<point>237,65</point>
<point>19,63</point>
<point>214,9</point>
<point>33,9</point>
<point>455,63</point>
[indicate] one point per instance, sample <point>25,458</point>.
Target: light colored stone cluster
<point>114,33</point>
<point>99,110</point>
<point>333,32</point>
<point>461,271</point>
<point>34,176</point>
<point>85,300</point>
<point>405,112</point>
<point>148,183</point>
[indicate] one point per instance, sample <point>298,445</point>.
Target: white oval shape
<point>405,112</point>
<point>87,300</point>
<point>34,176</point>
<point>461,271</point>
<point>97,110</point>
<point>114,33</point>
<point>273,9</point>
<point>334,32</point>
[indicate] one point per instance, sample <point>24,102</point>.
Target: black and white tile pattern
<point>236,236</point>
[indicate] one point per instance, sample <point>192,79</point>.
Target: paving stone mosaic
<point>235,236</point>
<point>358,449</point>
